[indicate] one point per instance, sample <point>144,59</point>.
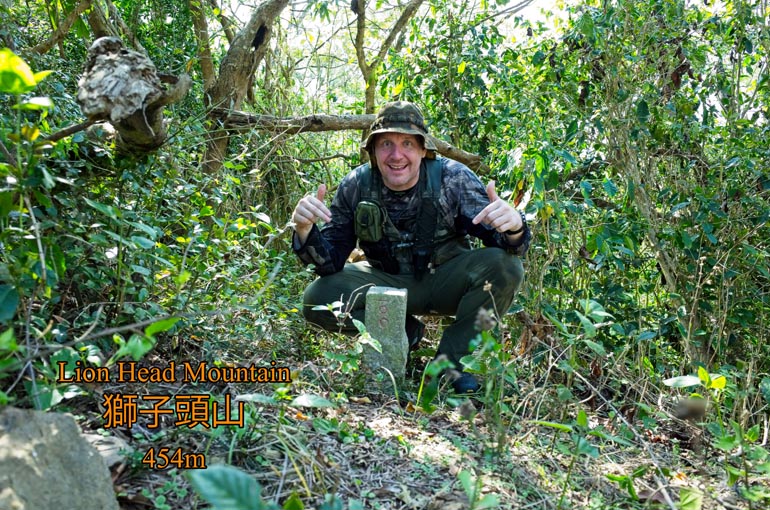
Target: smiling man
<point>412,213</point>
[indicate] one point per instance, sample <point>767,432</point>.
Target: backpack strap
<point>369,187</point>
<point>427,218</point>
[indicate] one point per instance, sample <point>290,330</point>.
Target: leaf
<point>646,335</point>
<point>35,103</point>
<point>161,326</point>
<point>588,326</point>
<point>144,228</point>
<point>310,400</point>
<point>682,381</point>
<point>610,437</point>
<point>182,277</point>
<point>108,210</point>
<point>718,381</point>
<point>227,488</point>
<point>488,501</point>
<point>554,425</point>
<point>752,435</point>
<point>367,339</point>
<point>138,345</point>
<point>9,302</point>
<point>467,482</point>
<point>609,187</point>
<point>145,243</point>
<point>596,347</point>
<point>642,111</point>
<point>293,503</point>
<point>8,342</point>
<point>582,419</point>
<point>690,499</point>
<point>704,376</point>
<point>324,426</point>
<point>16,77</point>
<point>584,447</point>
<point>726,443</point>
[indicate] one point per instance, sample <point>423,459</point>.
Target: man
<point>411,213</point>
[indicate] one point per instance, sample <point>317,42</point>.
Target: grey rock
<point>46,464</point>
<point>112,448</point>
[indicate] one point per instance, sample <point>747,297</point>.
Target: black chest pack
<point>406,250</point>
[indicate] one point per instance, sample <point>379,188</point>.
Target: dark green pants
<point>455,288</point>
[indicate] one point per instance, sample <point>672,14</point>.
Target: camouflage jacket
<point>463,196</point>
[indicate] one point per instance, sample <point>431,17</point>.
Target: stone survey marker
<point>385,318</point>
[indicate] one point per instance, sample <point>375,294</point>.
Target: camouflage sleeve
<point>467,196</point>
<point>329,247</point>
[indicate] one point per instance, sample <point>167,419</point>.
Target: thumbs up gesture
<point>499,214</point>
<point>309,210</point>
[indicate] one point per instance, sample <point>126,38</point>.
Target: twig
<point>62,29</point>
<point>39,242</point>
<point>8,155</point>
<point>55,137</point>
<point>324,158</point>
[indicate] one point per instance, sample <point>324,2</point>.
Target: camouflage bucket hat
<point>400,117</point>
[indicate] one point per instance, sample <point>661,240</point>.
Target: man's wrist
<point>302,235</point>
<point>519,230</point>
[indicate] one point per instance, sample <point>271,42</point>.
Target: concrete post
<point>385,318</point>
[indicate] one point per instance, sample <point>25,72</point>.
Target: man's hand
<point>308,211</point>
<point>499,214</point>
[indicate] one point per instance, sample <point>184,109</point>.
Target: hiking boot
<point>415,330</point>
<point>465,383</point>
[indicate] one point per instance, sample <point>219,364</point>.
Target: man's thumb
<point>491,193</point>
<point>321,192</point>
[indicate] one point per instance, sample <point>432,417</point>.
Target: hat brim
<point>426,138</point>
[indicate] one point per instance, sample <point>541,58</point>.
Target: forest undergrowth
<point>633,370</point>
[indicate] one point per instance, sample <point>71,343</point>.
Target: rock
<point>46,464</point>
<point>385,319</point>
<point>112,449</point>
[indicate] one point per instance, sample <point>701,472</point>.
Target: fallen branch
<point>242,121</point>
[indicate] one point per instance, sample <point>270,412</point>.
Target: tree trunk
<point>237,67</point>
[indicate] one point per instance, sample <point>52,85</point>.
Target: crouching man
<point>411,212</point>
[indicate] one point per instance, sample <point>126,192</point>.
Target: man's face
<point>398,157</point>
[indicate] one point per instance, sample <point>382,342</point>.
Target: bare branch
<point>201,28</point>
<point>398,27</point>
<point>55,137</point>
<point>242,121</point>
<point>323,158</point>
<point>227,24</point>
<point>236,71</point>
<point>127,32</point>
<point>360,11</point>
<point>63,28</point>
<point>8,156</point>
<point>100,27</point>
